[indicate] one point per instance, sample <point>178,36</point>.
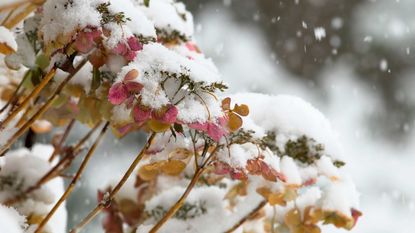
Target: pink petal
<point>215,132</point>
<point>170,115</point>
<point>84,42</point>
<point>118,94</point>
<point>238,174</point>
<point>140,115</point>
<point>130,55</point>
<point>222,168</point>
<point>120,49</point>
<point>134,87</point>
<point>199,126</point>
<point>134,44</point>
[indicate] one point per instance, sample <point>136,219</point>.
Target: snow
<point>11,221</point>
<point>7,38</point>
<point>319,33</point>
<point>170,16</point>
<point>291,116</point>
<point>25,168</point>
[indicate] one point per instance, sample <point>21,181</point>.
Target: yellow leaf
<point>157,126</point>
<point>226,103</point>
<point>276,199</point>
<point>173,167</point>
<point>235,122</point>
<point>180,154</point>
<point>6,49</point>
<point>242,109</point>
<point>149,171</point>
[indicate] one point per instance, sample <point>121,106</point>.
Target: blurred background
<point>352,59</point>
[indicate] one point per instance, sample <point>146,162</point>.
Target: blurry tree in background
<point>290,26</point>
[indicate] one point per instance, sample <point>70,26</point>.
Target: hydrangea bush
<point>213,161</point>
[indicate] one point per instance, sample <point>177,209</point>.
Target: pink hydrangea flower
<point>128,50</point>
<point>85,40</point>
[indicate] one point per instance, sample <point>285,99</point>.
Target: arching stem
<point>42,109</point>
<point>247,217</point>
<point>75,179</point>
<point>108,199</point>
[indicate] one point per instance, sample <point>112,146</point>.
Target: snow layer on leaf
<point>61,17</point>
<point>7,38</point>
<point>138,24</point>
<point>11,221</point>
<point>210,197</point>
<point>159,57</point>
<point>170,16</point>
<point>291,116</point>
<point>341,196</point>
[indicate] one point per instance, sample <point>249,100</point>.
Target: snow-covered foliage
<point>21,169</point>
<point>134,65</point>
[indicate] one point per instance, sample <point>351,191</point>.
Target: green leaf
<point>42,61</point>
<point>147,3</point>
<point>96,79</point>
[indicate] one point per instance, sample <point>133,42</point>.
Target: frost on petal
<point>118,93</point>
<point>222,168</point>
<point>120,49</point>
<point>199,126</point>
<point>141,115</point>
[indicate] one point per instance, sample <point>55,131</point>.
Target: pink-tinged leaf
<point>95,34</point>
<point>120,49</point>
<point>118,94</point>
<point>130,101</point>
<point>237,174</point>
<point>199,126</point>
<point>215,132</point>
<point>222,168</point>
<point>84,42</point>
<point>134,87</point>
<point>134,44</point>
<point>170,115</point>
<point>124,129</point>
<point>131,75</point>
<point>140,114</point>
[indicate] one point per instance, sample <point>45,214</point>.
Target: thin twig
<point>42,109</point>
<point>64,163</point>
<point>172,211</point>
<point>247,217</point>
<point>75,179</point>
<point>32,95</point>
<point>15,94</point>
<point>19,17</point>
<point>109,198</point>
<point>58,147</point>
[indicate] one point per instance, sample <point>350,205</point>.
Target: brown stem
<point>56,170</point>
<point>58,147</point>
<point>247,217</point>
<point>179,203</point>
<point>108,199</point>
<point>75,179</point>
<point>19,17</point>
<point>170,213</point>
<point>15,95</point>
<point>32,95</point>
<point>42,109</point>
